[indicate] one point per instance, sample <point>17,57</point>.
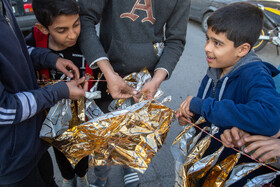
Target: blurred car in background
<point>202,9</point>
<point>23,12</point>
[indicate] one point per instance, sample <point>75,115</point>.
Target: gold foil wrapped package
<point>131,136</point>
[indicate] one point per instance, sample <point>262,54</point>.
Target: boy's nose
<point>207,47</point>
<point>72,34</point>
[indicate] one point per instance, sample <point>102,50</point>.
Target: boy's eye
<point>61,30</point>
<point>217,43</point>
<point>77,24</point>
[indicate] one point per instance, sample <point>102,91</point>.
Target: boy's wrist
<point>159,76</point>
<point>107,70</point>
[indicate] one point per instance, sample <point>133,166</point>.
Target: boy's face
<point>64,31</point>
<point>220,51</point>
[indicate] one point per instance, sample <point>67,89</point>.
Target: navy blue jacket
<point>245,97</point>
<point>21,101</point>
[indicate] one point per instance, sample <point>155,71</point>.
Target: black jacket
<point>21,101</point>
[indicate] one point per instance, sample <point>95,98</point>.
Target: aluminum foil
<point>187,151</point>
<point>131,136</point>
<point>137,81</point>
<point>241,171</point>
<point>68,114</point>
<point>261,180</point>
<point>199,169</point>
<point>220,171</point>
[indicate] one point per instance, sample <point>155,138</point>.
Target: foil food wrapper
<point>131,136</point>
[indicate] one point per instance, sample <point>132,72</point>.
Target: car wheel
<point>204,21</point>
<point>261,43</point>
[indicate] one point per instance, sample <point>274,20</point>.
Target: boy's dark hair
<point>241,22</point>
<point>46,10</point>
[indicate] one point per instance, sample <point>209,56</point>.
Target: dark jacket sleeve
<point>17,107</point>
<point>176,29</point>
<point>91,12</point>
<point>41,57</point>
<point>259,115</point>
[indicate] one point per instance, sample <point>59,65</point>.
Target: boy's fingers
<point>225,141</point>
<point>263,150</point>
<point>75,69</point>
<point>85,87</point>
<point>269,155</point>
<point>66,71</point>
<point>81,81</point>
<point>235,133</point>
<point>227,135</point>
<point>255,138</point>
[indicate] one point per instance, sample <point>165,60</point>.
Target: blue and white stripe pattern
<point>30,49</point>
<point>131,178</point>
<point>7,116</point>
<point>29,103</point>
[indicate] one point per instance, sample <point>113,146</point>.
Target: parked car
<point>202,9</point>
<point>23,12</point>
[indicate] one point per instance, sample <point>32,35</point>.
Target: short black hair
<point>46,10</point>
<point>241,22</point>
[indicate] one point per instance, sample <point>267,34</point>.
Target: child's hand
<point>64,65</point>
<point>76,91</point>
<point>149,90</point>
<point>234,137</point>
<point>118,88</point>
<point>184,109</point>
<point>265,147</point>
<point>182,120</point>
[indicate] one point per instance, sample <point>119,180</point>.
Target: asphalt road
<point>184,81</point>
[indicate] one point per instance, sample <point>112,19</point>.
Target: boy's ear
<point>243,49</point>
<point>42,28</point>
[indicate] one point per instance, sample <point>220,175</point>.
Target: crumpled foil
<point>137,81</point>
<point>241,171</point>
<point>187,151</point>
<point>220,171</point>
<point>199,169</point>
<point>131,136</point>
<point>261,180</point>
<point>67,114</point>
<point>191,166</point>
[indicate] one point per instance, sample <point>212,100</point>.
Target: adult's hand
<point>64,65</point>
